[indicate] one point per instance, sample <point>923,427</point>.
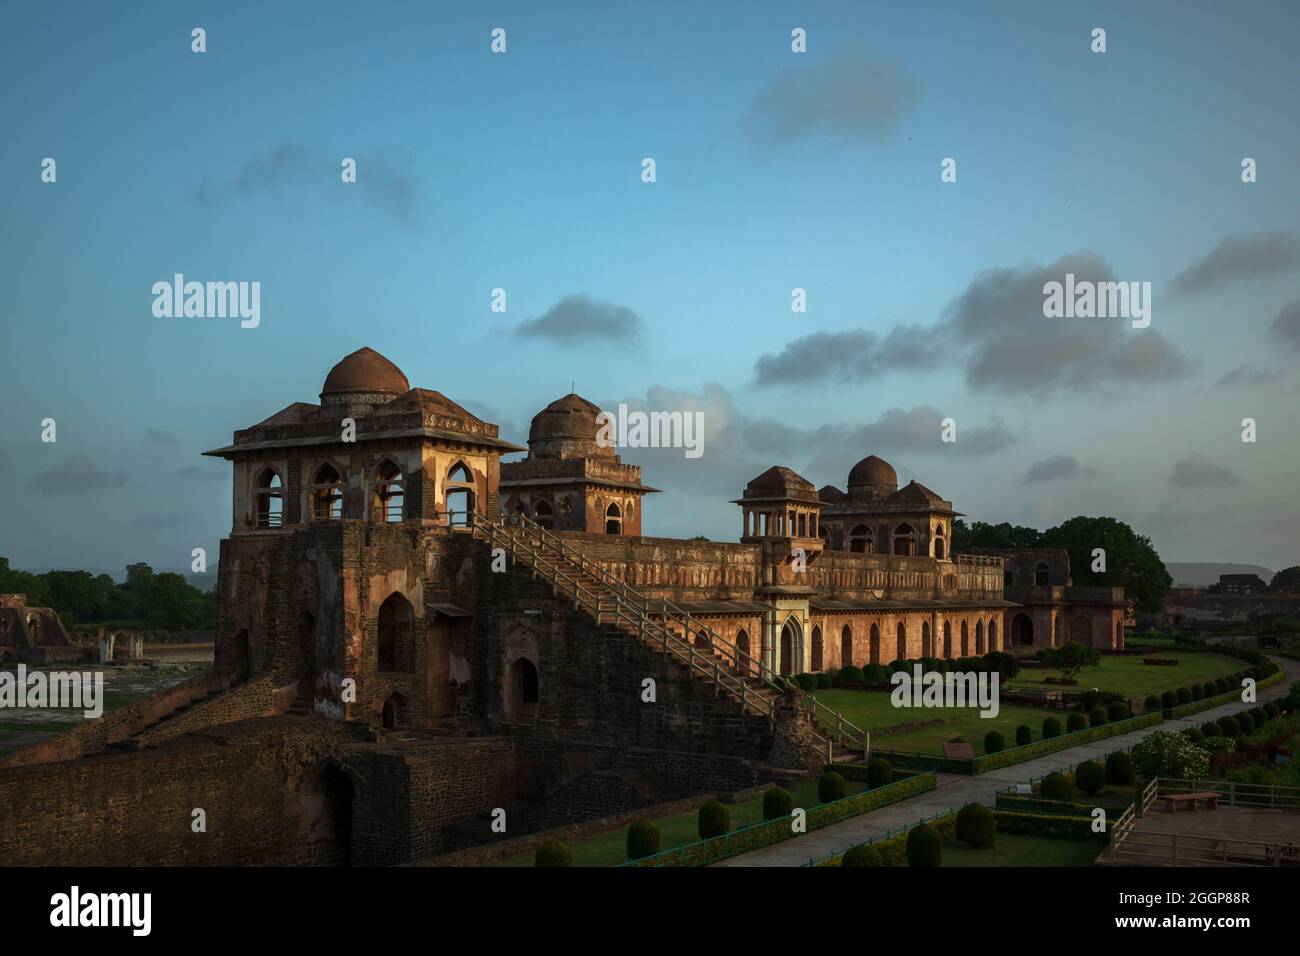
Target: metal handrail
<point>641,607</point>
<point>639,601</point>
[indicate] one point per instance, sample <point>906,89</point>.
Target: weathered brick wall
<point>252,780</point>
<point>245,702</point>
<point>94,735</point>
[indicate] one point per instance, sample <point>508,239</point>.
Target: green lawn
<point>873,710</point>
<point>1016,850</point>
<point>610,849</point>
<point>1130,677</point>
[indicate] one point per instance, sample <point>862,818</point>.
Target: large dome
<point>873,475</point>
<point>566,428</point>
<point>365,371</point>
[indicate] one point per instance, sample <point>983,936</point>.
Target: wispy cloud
<point>579,318</point>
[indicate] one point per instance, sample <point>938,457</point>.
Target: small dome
<point>365,371</point>
<point>566,428</point>
<point>873,474</point>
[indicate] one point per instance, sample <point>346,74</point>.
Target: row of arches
<point>985,640</point>
<point>325,494</point>
<point>902,540</point>
<point>543,512</point>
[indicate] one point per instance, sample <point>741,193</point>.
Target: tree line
<point>145,600</point>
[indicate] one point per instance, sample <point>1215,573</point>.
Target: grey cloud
<point>1249,375</point>
<point>1286,327</point>
<point>159,436</point>
<point>844,99</point>
<point>1056,468</point>
<point>1197,471</point>
<point>580,318</point>
<point>212,472</point>
<point>77,473</point>
<point>383,178</point>
<point>849,356</point>
<point>1012,348</point>
<point>1239,258</point>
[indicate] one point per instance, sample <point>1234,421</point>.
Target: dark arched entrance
<point>1022,631</point>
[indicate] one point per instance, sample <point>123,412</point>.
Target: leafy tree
<point>1071,658</point>
<point>1165,754</point>
<point>1131,562</point>
<point>1286,578</point>
<point>980,534</point>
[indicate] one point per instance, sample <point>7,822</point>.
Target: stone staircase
<point>133,742</point>
<point>661,626</point>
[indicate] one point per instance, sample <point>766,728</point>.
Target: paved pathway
<point>956,790</point>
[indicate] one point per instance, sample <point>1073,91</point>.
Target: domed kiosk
<point>570,481</point>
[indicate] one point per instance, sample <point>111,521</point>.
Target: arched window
<point>938,543</point>
<point>904,539</point>
<point>786,665</point>
<point>525,690</point>
<point>394,713</point>
<point>947,640</point>
<point>926,649</point>
<point>993,635</point>
<point>979,637</point>
<point>965,640</point>
<point>390,492</point>
<point>860,540</point>
<point>613,519</point>
<point>543,514</point>
<point>817,648</point>
<point>396,635</point>
<point>460,496</point>
<point>1042,577</point>
<point>875,644</point>
<point>846,646</point>
<point>742,651</point>
<point>268,493</point>
<point>902,641</point>
<point>1022,631</point>
<point>326,490</point>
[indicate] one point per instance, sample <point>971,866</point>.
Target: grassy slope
<point>1130,677</point>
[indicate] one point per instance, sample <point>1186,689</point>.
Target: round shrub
<point>1184,695</point>
<point>879,772</point>
<point>806,681</point>
<point>1119,769</point>
<point>876,674</point>
<point>1195,735</point>
<point>1056,786</point>
<point>1221,685</point>
<point>862,856</point>
<point>1151,703</point>
<point>1229,726</point>
<point>831,786</point>
<point>1051,727</point>
<point>1096,716</point>
<point>715,819</point>
<point>553,853</point>
<point>1117,710</point>
<point>777,803</point>
<point>898,664</point>
<point>1197,692</point>
<point>851,675</point>
<point>994,742</point>
<point>823,681</point>
<point>1075,722</point>
<point>1259,715</point>
<point>1024,736</point>
<point>1245,722</point>
<point>1208,690</point>
<point>924,846</point>
<point>1090,777</point>
<point>1211,728</point>
<point>1168,699</point>
<point>642,839</point>
<point>975,826</point>
<point>1272,710</point>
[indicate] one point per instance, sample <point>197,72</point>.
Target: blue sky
<point>775,170</point>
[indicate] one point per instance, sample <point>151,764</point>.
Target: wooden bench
<point>1209,796</point>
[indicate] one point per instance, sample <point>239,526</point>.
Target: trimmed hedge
<point>777,804</point>
<point>642,839</point>
<point>1045,825</point>
<point>994,742</point>
<point>553,853</point>
<point>924,846</point>
<point>1097,717</point>
<point>1090,777</point>
<point>830,787</point>
<point>1056,786</point>
<point>864,855</point>
<point>1016,754</point>
<point>1056,808</point>
<point>774,831</point>
<point>1117,710</point>
<point>1051,727</point>
<point>1119,769</point>
<point>975,826</point>
<point>1024,736</point>
<point>1075,723</point>
<point>714,819</point>
<point>1231,695</point>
